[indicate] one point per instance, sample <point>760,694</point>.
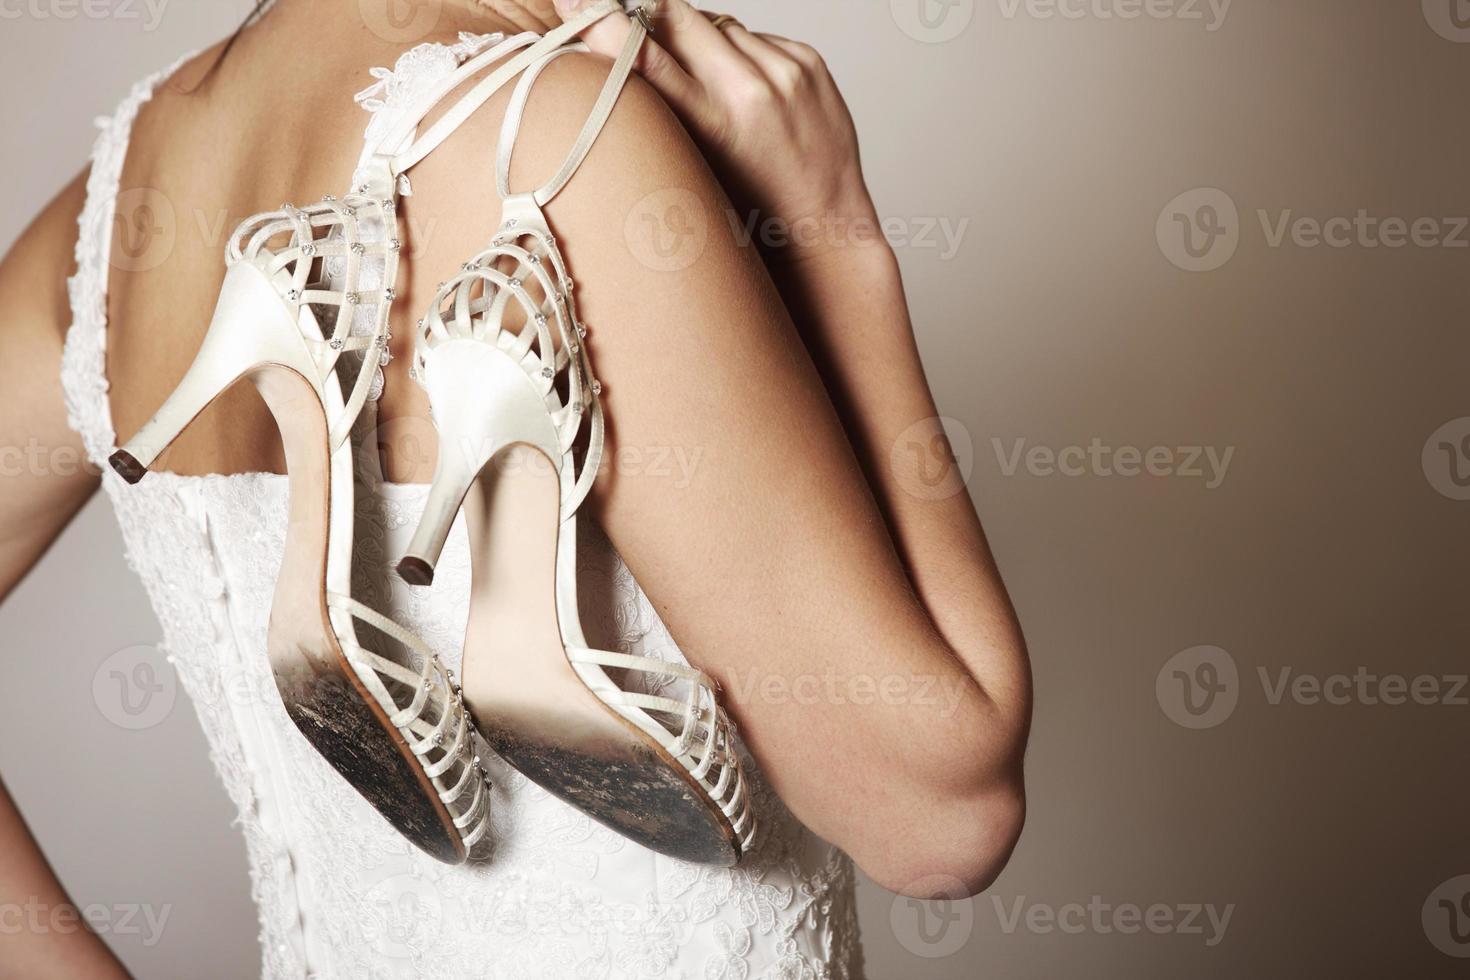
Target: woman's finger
<point>803,53</point>
<point>607,36</point>
<point>660,69</point>
<point>699,46</point>
<point>781,68</point>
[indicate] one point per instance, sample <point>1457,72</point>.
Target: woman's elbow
<point>955,849</point>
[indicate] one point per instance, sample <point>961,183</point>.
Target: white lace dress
<point>340,895</point>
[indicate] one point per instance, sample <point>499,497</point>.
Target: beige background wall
<point>1055,134</point>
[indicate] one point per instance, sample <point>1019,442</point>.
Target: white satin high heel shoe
<point>393,726</point>
<point>396,733</point>
<point>504,361</point>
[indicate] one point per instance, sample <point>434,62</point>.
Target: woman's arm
<point>44,476</point>
<point>858,626</point>
<point>43,483</point>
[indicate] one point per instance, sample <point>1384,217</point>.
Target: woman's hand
<point>765,111</point>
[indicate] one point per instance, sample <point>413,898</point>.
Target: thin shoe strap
<point>445,126</point>
<point>602,110</point>
<point>515,113</point>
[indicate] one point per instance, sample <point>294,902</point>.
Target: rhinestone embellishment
<point>353,299</point>
<point>335,344</point>
<point>358,248</point>
<point>395,244</point>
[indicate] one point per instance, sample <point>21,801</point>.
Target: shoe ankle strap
<point>399,149</point>
<point>602,110</point>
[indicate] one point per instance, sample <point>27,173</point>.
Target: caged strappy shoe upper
<point>304,315</point>
<point>640,744</point>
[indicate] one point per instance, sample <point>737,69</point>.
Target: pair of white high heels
<point>503,358</point>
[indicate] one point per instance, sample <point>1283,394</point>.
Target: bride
<point>767,496</point>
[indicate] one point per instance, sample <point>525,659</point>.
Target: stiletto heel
<point>482,401</point>
<point>251,328</point>
<point>503,358</point>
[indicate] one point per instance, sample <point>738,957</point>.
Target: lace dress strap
<point>84,362</point>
